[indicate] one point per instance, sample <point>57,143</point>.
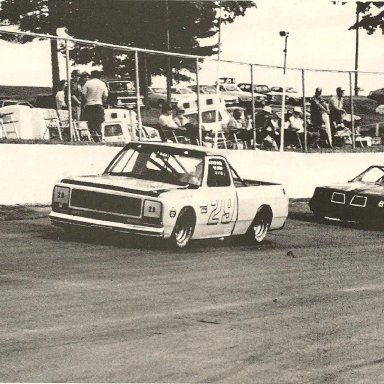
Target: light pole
<point>284,34</point>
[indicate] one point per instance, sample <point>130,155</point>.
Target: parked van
<point>214,114</point>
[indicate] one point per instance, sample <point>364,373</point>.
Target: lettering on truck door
<point>219,208</point>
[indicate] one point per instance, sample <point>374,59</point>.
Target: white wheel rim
<point>260,230</point>
<point>182,234</point>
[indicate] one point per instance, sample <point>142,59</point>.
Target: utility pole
<point>357,52</point>
<point>54,44</point>
<point>340,2</point>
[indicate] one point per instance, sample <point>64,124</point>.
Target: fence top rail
<point>174,54</point>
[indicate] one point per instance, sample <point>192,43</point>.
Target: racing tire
<point>183,230</point>
<point>318,217</point>
<point>259,227</point>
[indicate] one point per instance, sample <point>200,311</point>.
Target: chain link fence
<point>277,109</point>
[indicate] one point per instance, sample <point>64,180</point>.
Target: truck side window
<point>218,175</point>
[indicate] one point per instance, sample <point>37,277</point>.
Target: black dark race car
<point>359,200</point>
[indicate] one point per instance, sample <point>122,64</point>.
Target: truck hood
<point>123,184</point>
<point>359,188</point>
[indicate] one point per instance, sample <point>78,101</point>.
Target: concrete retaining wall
<point>30,171</point>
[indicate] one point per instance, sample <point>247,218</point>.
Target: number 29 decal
<point>221,211</point>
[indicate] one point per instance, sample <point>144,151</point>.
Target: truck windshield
<point>158,165</point>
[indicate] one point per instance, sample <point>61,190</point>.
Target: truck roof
<point>179,148</point>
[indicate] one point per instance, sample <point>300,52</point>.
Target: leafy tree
<point>139,24</point>
<point>372,16</point>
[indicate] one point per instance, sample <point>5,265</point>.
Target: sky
<point>318,38</point>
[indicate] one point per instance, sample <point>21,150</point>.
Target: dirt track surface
<point>306,306</point>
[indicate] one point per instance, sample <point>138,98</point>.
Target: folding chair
<point>52,124</point>
<point>8,125</point>
<point>83,130</point>
<point>170,135</point>
<point>64,124</point>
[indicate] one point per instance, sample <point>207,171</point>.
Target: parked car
<point>122,94</point>
<point>245,98</point>
<point>359,200</point>
<point>377,95</point>
<point>172,191</point>
<point>6,102</point>
<point>157,96</point>
<point>211,90</point>
<point>292,97</point>
<point>261,92</point>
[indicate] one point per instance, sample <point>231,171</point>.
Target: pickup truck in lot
<point>173,191</point>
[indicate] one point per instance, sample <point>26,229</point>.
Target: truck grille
<point>124,205</point>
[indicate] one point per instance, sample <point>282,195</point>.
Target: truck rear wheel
<point>183,230</point>
<point>260,225</point>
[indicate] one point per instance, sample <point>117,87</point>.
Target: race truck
<point>172,191</point>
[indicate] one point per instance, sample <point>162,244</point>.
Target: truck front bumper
<point>65,220</point>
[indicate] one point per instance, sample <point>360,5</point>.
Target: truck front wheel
<point>183,230</point>
<point>260,225</point>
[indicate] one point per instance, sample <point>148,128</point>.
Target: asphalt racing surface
<point>306,306</point>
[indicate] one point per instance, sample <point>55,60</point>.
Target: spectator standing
<point>320,114</point>
<point>336,109</point>
<point>76,95</point>
<point>60,96</point>
<point>84,77</point>
<point>95,93</point>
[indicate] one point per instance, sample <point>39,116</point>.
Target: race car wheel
<point>259,227</point>
<point>319,218</point>
<point>183,230</point>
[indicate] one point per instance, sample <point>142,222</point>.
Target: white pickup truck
<point>176,192</point>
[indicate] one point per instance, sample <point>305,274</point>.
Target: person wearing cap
<point>320,115</point>
<point>95,93</point>
<point>295,127</point>
<point>336,109</point>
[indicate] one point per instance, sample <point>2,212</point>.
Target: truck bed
<point>252,183</point>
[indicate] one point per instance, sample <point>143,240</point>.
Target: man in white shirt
<point>95,93</point>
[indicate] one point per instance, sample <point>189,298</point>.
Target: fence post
<point>68,70</point>
<point>198,103</point>
<point>282,118</point>
<point>138,92</point>
<point>253,109</point>
<point>352,111</point>
<point>304,111</point>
